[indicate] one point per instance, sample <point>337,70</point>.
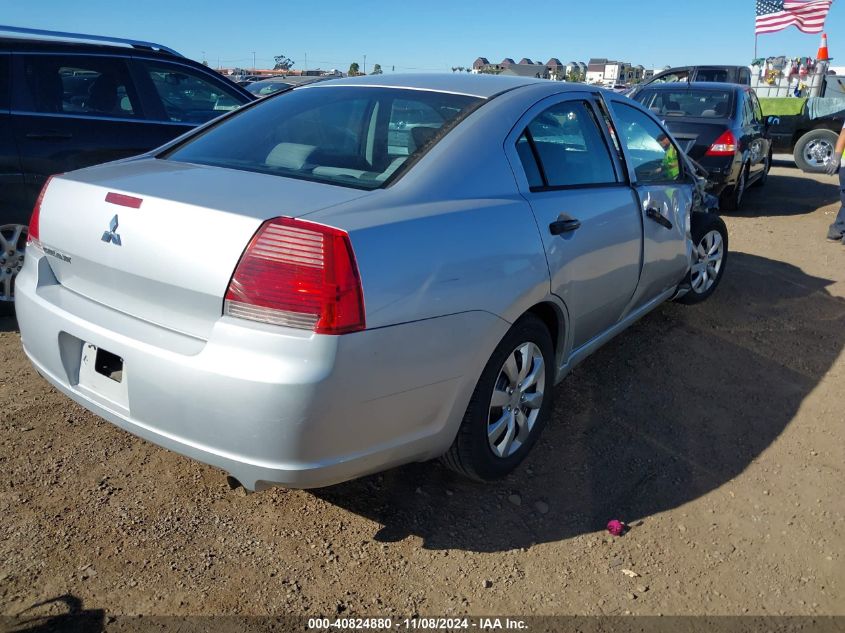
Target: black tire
<point>471,454</point>
<point>825,138</point>
<point>733,196</point>
<point>702,225</point>
<point>764,178</point>
<point>7,308</point>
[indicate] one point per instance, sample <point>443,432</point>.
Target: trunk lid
<point>168,261</point>
<point>696,135</point>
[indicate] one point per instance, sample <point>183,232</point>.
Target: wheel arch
<point>555,317</point>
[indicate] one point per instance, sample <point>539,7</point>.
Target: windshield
<point>344,135</point>
<point>713,104</point>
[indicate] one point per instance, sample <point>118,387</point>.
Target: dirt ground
<point>717,432</point>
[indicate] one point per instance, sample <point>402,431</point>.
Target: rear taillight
<point>298,274</point>
<point>33,235</point>
<point>725,145</point>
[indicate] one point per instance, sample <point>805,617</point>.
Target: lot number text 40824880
<point>418,624</point>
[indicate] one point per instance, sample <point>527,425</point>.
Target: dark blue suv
<point>69,101</point>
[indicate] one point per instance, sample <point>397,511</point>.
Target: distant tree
<point>454,69</point>
<point>469,70</point>
<point>354,69</point>
<point>376,70</point>
<point>574,76</point>
<point>282,63</point>
<point>204,63</point>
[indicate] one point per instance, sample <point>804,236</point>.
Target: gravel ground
<point>717,432</point>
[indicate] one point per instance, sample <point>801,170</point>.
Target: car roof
<point>695,85</point>
<point>481,85</point>
<point>44,45</point>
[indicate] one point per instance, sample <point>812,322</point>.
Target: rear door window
<point>187,95</point>
<point>747,110</point>
<point>756,108</point>
<point>78,85</point>
<point>564,147</point>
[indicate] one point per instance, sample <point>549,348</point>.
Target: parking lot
<point>716,432</point>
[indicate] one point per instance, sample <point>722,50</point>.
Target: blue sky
<point>433,35</point>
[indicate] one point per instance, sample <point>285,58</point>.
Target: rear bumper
<point>267,405</point>
<point>722,172</point>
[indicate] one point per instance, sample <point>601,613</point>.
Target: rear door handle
<point>654,214</point>
<point>49,135</point>
<point>563,225</point>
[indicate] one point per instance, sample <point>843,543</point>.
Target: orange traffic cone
<point>823,54</point>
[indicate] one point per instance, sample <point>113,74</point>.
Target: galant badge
<point>111,235</point>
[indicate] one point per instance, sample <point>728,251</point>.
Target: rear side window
<point>652,153</point>
<point>344,135</point>
<point>79,85</point>
<point>747,110</point>
<point>187,96</point>
<point>564,147</point>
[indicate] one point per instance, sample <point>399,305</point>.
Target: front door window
<point>653,154</point>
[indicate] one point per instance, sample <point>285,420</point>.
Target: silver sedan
<point>362,273</point>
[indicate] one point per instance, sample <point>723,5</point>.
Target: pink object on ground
<point>617,528</point>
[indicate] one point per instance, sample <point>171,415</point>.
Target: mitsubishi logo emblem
<point>111,235</point>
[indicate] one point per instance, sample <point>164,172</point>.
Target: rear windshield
<point>713,75</point>
<point>714,104</point>
<point>262,89</point>
<point>344,135</point>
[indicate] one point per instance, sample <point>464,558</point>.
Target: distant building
<point>576,71</point>
<point>527,70</point>
<point>609,72</point>
<point>480,63</point>
<point>554,69</point>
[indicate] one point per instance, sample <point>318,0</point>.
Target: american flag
<point>776,15</point>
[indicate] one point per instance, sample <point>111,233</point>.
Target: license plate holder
<point>103,374</point>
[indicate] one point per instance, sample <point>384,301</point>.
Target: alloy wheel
<point>818,152</point>
<point>12,247</point>
<point>710,254</point>
<point>516,401</point>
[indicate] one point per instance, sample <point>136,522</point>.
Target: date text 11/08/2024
<point>418,624</point>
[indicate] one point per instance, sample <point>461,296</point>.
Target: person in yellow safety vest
<point>836,232</point>
<point>671,166</point>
